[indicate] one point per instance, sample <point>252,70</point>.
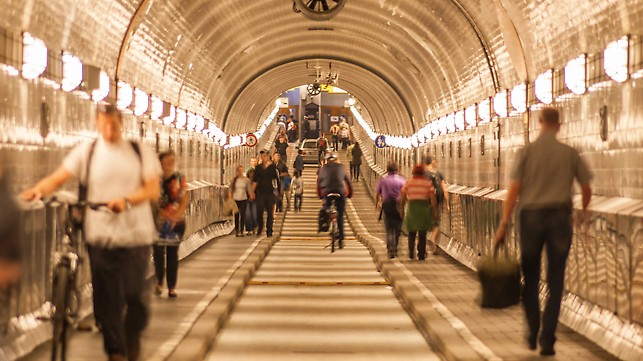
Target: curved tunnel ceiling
<point>382,101</point>
<point>407,45</point>
<point>417,58</point>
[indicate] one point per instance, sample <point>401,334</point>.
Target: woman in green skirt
<point>418,195</point>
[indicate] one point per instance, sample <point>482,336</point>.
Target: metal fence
<point>22,306</point>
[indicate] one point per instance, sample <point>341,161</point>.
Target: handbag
<point>230,207</point>
<point>499,279</point>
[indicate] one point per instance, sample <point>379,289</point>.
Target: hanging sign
<point>380,141</point>
<point>251,140</point>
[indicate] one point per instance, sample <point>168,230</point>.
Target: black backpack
<point>436,179</point>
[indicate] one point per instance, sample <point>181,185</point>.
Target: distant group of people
<point>264,187</point>
<point>416,201</point>
<point>340,132</point>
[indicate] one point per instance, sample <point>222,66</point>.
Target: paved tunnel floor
<point>305,303</point>
<point>295,309</point>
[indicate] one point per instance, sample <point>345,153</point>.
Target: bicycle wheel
<point>60,298</point>
<point>333,237</point>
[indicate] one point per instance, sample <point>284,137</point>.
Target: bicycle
<point>65,292</point>
<point>334,228</point>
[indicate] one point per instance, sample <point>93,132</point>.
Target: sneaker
<point>436,250</point>
<point>171,293</point>
<point>547,351</point>
<point>158,290</point>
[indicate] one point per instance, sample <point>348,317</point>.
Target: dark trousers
<point>169,254</point>
<point>298,200</point>
<point>393,225</point>
<point>344,143</point>
<point>340,205</point>
<point>539,228</point>
<point>335,140</point>
<point>121,296</point>
<point>265,202</point>
<point>421,244</point>
<point>240,218</point>
<point>355,171</point>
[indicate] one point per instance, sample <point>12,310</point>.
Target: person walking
<point>322,147</point>
<point>441,195</point>
<point>349,155</point>
<point>334,133</point>
<point>282,147</point>
<point>298,190</point>
<point>170,223</point>
<point>356,163</point>
<point>282,169</point>
<point>418,195</point>
<point>541,181</point>
<point>389,192</point>
<point>119,243</point>
<point>332,178</point>
<point>344,133</point>
<point>266,188</point>
<point>251,209</point>
<point>286,182</point>
<point>240,189</point>
<point>298,164</point>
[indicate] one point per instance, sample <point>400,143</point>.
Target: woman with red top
<point>418,195</point>
<point>170,222</point>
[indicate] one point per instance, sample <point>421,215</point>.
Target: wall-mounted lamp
<point>171,115</point>
<point>484,111</point>
<point>544,87</point>
<point>471,116</point>
<point>34,56</point>
<point>72,72</point>
<point>181,118</point>
<point>576,75</point>
<point>351,101</point>
<point>501,104</point>
<point>199,123</point>
<point>125,95</point>
<point>191,121</point>
<point>450,122</point>
<point>156,108</point>
<point>519,98</point>
<point>616,59</point>
<point>95,82</point>
<point>141,102</point>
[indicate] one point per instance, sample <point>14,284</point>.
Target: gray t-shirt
<point>546,169</point>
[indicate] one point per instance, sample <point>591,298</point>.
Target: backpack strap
<point>83,184</point>
<point>137,150</point>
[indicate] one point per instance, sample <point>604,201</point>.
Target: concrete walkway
<point>305,303</point>
<point>198,274</point>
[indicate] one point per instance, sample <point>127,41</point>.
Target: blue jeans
<point>539,228</point>
<point>340,205</point>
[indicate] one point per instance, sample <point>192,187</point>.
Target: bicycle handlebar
<point>53,200</point>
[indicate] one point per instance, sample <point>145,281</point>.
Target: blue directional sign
<point>380,141</point>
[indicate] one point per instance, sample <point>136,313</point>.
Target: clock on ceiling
<point>319,10</point>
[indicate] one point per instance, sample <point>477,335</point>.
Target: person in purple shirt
<point>389,189</point>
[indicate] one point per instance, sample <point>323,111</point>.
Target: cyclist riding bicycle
<point>333,178</point>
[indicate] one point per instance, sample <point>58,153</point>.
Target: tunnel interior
<point>461,80</point>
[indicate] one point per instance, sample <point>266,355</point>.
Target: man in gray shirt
<point>541,181</point>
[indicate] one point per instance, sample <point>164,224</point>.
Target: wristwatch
<point>128,204</point>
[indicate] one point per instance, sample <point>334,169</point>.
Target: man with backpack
<point>119,242</point>
<point>442,196</point>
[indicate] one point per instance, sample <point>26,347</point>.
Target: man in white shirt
<point>125,176</point>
